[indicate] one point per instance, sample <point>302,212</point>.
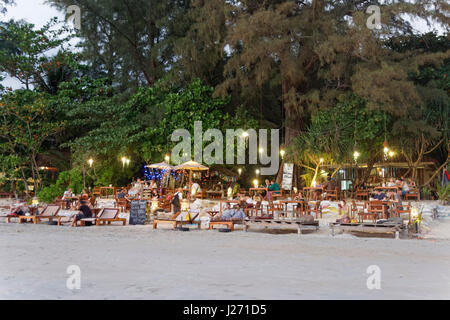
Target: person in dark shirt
<point>85,212</point>
<point>331,185</point>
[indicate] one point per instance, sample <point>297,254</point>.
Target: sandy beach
<point>136,262</point>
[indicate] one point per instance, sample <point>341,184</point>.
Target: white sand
<point>136,262</point>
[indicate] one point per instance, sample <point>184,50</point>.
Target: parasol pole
<point>190,187</point>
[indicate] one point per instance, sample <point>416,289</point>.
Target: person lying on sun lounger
<point>84,213</point>
<point>231,214</point>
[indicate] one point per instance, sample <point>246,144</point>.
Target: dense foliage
<point>145,68</point>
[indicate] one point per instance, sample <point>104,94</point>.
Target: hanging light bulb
<point>91,162</point>
<point>282,153</point>
<point>240,171</point>
<point>167,158</point>
<point>356,156</point>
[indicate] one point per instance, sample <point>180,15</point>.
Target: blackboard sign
<point>138,214</point>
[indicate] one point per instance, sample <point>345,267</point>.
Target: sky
<point>39,13</point>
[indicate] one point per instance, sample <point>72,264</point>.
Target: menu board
<point>138,214</point>
<point>288,175</point>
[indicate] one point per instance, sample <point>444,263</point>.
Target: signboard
<point>288,176</point>
<point>138,214</point>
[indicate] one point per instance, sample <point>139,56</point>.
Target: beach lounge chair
<point>175,223</point>
<point>229,223</point>
<point>106,216</point>
<point>50,213</point>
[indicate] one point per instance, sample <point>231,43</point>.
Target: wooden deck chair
<point>106,216</point>
<point>49,213</point>
<point>173,220</point>
<point>229,223</point>
<point>109,215</point>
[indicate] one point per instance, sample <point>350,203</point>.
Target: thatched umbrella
<point>191,166</point>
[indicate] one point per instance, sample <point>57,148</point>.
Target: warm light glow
<point>128,162</point>
<point>391,154</point>
<point>167,158</point>
<point>245,134</point>
<point>124,160</point>
<point>261,150</point>
<point>256,183</point>
<point>282,153</point>
<point>295,190</point>
<point>90,161</point>
<point>240,171</point>
<point>321,160</point>
<point>257,171</point>
<point>356,155</point>
<point>230,192</point>
<point>386,150</point>
<point>314,183</point>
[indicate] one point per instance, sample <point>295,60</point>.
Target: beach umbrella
<point>191,166</point>
<point>161,166</point>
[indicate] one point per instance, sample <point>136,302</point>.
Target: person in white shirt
<point>195,189</point>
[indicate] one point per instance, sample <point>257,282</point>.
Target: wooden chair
<point>374,209</point>
<point>106,216</point>
<point>122,204</point>
<point>173,220</point>
<point>275,207</point>
<point>49,213</point>
<point>254,211</point>
<point>314,207</point>
<point>405,208</point>
<point>331,194</point>
<point>96,192</point>
<point>413,194</point>
<point>362,194</point>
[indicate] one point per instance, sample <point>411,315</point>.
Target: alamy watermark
<point>237,142</point>
<point>374,20</point>
<point>374,279</point>
<point>74,280</point>
<point>73,14</point>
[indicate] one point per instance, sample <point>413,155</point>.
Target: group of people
<point>402,184</point>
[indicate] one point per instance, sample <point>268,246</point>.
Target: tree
<point>23,50</point>
<point>131,42</point>
<point>24,127</point>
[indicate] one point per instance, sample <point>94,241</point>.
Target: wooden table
<point>300,204</point>
<point>396,189</point>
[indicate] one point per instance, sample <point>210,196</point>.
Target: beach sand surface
<point>137,262</point>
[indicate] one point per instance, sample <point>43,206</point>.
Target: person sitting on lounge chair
<point>19,209</point>
<point>85,212</point>
<point>343,213</point>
